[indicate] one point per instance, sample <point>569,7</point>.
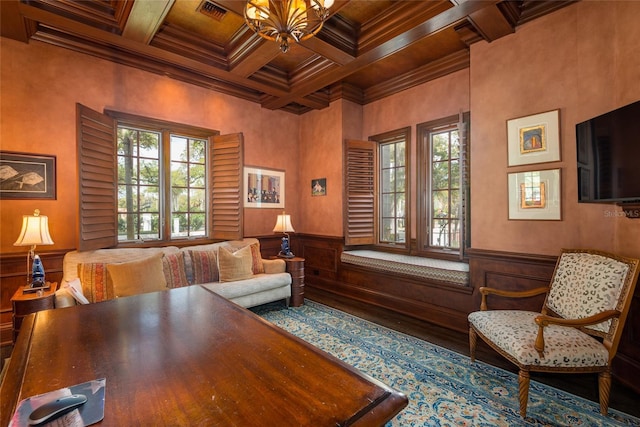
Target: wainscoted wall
<point>444,304</point>
<point>436,302</point>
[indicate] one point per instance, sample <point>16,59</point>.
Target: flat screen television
<point>608,148</point>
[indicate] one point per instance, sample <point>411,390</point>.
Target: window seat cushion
<point>430,268</point>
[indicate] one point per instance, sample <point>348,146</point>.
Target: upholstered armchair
<point>578,329</point>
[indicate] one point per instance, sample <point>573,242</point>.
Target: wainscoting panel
<point>13,274</point>
<point>626,365</point>
<point>513,272</point>
<point>321,257</point>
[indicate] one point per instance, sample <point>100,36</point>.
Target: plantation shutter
<point>360,192</point>
<point>97,178</point>
<point>227,158</point>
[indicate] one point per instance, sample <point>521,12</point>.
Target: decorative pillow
<point>96,285</point>
<point>205,266</point>
<point>235,266</point>
<point>188,266</point>
<point>137,277</point>
<point>174,270</point>
<point>256,259</point>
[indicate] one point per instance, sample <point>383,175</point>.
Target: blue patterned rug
<point>443,387</point>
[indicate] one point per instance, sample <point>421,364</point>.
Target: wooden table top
<point>190,357</point>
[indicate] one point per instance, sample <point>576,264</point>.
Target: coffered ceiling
<point>367,49</point>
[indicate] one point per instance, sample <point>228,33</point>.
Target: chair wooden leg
<point>604,385</point>
<point>523,385</point>
<point>473,339</point>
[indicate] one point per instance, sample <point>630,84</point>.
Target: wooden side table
<point>25,304</point>
<point>295,267</point>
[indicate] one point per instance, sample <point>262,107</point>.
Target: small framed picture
<point>534,139</point>
<point>319,187</point>
<point>27,176</point>
<point>535,195</point>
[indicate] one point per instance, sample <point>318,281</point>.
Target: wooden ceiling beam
<point>398,19</point>
<point>437,23</point>
<point>145,19</point>
<point>12,24</point>
<point>256,57</point>
<point>491,23</point>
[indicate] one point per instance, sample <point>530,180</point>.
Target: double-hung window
<point>443,172</point>
<point>393,187</point>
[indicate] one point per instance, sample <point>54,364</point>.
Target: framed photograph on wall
<point>263,188</point>
<point>27,176</point>
<point>535,195</point>
<point>534,139</point>
<point>319,187</point>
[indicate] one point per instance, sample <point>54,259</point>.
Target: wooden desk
<point>189,357</point>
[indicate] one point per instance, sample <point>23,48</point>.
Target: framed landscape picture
<point>263,188</point>
<point>534,139</point>
<point>27,176</point>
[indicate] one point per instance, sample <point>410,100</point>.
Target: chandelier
<point>284,21</point>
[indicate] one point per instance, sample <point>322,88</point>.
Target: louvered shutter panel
<point>360,192</point>
<point>226,186</point>
<point>97,177</point>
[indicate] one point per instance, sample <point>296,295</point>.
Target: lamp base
<point>286,255</point>
<point>30,289</point>
<point>37,284</point>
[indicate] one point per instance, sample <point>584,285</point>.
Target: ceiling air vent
<point>212,10</point>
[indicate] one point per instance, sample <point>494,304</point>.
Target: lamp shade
<point>35,230</point>
<point>283,224</point>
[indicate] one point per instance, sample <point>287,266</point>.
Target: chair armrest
<point>273,266</point>
<point>543,321</point>
<point>485,291</point>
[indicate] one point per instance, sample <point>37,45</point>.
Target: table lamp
<point>283,225</point>
<point>35,231</point>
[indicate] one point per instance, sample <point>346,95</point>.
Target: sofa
<point>233,269</point>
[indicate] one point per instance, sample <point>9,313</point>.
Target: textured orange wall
<point>320,157</point>
<point>321,143</point>
<point>582,60</point>
<point>40,86</point>
<point>443,97</point>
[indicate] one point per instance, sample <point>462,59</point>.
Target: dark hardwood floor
<point>622,398</point>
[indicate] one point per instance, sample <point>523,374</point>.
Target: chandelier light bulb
<point>284,21</point>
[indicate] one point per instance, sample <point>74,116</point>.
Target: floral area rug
<point>444,388</point>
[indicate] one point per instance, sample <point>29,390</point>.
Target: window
<point>443,180</point>
<point>147,180</point>
<point>377,191</point>
<point>378,194</point>
<point>141,195</point>
<point>392,173</point>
